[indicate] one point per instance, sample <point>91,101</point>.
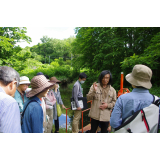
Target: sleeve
<point>37,119</point>
<point>75,95</point>
<point>11,119</point>
<point>53,99</point>
<point>112,103</point>
<point>91,94</point>
<point>60,99</point>
<point>116,116</point>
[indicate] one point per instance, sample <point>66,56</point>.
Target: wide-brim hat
<point>54,80</point>
<point>24,80</point>
<point>38,84</point>
<point>141,76</point>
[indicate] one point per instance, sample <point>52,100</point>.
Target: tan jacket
<point>97,97</point>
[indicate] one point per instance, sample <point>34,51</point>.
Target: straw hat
<point>54,79</point>
<point>140,76</point>
<point>38,84</point>
<point>24,80</point>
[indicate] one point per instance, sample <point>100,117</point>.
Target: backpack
<point>145,120</point>
<point>22,115</point>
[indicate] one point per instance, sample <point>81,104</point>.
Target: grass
<point>61,130</point>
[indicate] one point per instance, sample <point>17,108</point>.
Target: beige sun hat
<point>38,84</point>
<point>54,79</point>
<point>141,76</point>
<point>24,80</point>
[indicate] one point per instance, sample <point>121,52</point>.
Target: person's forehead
<point>25,84</point>
<point>107,75</point>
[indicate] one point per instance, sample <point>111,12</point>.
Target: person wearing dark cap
<point>57,95</point>
<point>39,73</point>
<point>139,98</point>
<point>32,121</point>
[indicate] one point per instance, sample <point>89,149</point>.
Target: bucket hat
<point>24,80</point>
<point>141,76</point>
<point>54,79</point>
<point>38,84</point>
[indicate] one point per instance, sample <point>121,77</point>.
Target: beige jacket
<point>107,95</point>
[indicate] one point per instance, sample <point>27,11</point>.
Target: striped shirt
<point>9,114</point>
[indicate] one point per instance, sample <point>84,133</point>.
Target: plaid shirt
<point>9,114</point>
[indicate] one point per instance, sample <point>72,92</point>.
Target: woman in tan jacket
<point>103,97</point>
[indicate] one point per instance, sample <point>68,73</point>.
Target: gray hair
<point>8,74</point>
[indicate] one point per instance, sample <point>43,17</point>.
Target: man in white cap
<point>20,95</point>
<point>139,98</point>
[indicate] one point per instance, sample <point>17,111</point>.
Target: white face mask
<point>58,86</point>
<point>82,82</point>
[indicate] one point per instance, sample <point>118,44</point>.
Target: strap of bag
<point>25,109</point>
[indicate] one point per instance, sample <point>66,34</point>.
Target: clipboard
<point>82,102</point>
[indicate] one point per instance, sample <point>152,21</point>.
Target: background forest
<point>93,50</point>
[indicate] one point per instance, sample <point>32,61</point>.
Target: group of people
<point>32,110</point>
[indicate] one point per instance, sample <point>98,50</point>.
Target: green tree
<point>9,36</point>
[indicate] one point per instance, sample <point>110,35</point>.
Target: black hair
<point>82,75</point>
<point>140,87</point>
<point>46,76</point>
<point>102,74</point>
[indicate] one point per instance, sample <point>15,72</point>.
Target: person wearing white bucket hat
<point>20,95</point>
<point>139,98</point>
<point>32,116</point>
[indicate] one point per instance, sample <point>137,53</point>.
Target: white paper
<point>73,104</point>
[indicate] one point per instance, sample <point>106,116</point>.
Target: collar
<point>37,99</point>
<point>101,88</point>
<point>140,90</point>
<point>20,92</point>
<point>2,90</point>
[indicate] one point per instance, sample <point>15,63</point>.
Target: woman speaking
<point>103,97</point>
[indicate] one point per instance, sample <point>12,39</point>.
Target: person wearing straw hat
<point>20,95</point>
<point>139,98</point>
<point>57,95</point>
<point>32,121</point>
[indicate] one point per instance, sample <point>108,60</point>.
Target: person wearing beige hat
<point>20,94</point>
<point>57,95</point>
<point>32,121</point>
<point>139,98</point>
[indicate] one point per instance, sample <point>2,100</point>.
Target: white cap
<point>24,80</point>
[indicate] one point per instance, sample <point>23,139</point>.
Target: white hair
<point>8,74</point>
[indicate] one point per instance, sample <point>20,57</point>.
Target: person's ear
<point>10,86</point>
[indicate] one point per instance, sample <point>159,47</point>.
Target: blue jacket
<point>33,117</point>
<point>19,100</point>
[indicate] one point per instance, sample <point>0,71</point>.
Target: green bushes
<point>61,72</point>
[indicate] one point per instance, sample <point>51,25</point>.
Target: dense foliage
<point>116,49</point>
<point>93,50</point>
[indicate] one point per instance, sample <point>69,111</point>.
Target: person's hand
<point>109,129</point>
<point>63,107</point>
<point>95,86</point>
<point>79,108</point>
<point>103,106</point>
<point>56,87</point>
